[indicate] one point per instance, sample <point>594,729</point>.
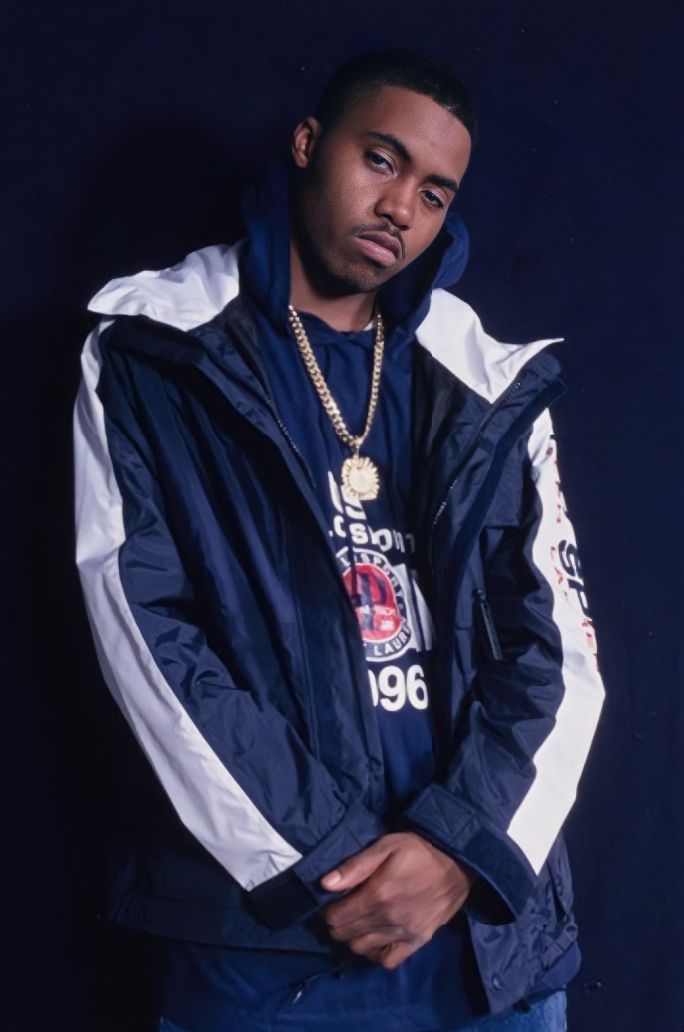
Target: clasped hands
<point>404,889</point>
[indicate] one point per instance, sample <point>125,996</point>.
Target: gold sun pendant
<point>360,479</point>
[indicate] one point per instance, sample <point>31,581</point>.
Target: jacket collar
<point>193,292</point>
<point>185,296</point>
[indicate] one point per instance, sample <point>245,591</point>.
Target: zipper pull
<point>493,643</point>
<point>299,993</point>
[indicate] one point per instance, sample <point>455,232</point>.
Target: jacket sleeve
<point>239,776</point>
<point>533,706</point>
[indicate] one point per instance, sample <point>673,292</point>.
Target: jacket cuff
<point>506,878</point>
<point>295,894</point>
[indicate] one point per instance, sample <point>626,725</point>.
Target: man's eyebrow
<point>402,150</point>
<point>393,141</point>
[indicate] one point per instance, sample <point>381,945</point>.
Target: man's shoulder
<point>185,295</point>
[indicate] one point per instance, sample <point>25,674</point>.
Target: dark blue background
<point>124,133</point>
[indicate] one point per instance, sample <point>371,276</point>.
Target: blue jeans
<point>546,1015</point>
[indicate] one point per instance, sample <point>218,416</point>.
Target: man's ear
<point>304,141</point>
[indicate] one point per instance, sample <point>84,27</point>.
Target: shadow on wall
<point>156,196</point>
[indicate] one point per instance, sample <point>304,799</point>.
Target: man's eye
<point>433,200</point>
<point>378,160</point>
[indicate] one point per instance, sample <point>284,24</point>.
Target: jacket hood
<point>265,262</point>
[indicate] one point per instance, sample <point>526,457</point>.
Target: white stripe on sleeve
<point>561,757</point>
<point>207,798</point>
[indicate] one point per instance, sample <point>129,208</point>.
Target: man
<point>335,592</point>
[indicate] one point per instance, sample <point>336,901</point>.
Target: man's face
<point>377,187</point>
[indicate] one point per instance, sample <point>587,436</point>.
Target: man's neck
<point>344,313</point>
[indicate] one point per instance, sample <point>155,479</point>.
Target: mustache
<point>382,227</point>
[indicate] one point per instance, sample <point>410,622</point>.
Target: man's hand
<point>405,890</point>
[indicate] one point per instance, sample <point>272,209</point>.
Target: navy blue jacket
<point>228,640</point>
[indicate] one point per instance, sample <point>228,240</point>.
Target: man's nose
<point>397,203</point>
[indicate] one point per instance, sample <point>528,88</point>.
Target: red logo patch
<point>375,602</point>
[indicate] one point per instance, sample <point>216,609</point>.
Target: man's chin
<point>362,279</point>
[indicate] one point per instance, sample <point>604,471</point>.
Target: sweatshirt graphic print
<point>373,545</point>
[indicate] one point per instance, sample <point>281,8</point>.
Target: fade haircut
<point>412,70</point>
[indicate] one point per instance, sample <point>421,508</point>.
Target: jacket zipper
<point>313,720</point>
<point>286,434</point>
<point>375,791</point>
<point>311,715</point>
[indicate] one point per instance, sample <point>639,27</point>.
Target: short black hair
<point>411,69</point>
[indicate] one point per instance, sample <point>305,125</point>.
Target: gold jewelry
<point>360,477</point>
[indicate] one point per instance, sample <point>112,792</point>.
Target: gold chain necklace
<point>360,477</point>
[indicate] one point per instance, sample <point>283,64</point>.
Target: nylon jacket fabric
<point>228,640</point>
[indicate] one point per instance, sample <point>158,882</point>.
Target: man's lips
<point>381,247</point>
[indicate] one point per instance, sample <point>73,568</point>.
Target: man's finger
<point>358,908</point>
<point>374,944</point>
<point>356,869</point>
<point>359,929</point>
<point>394,954</point>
